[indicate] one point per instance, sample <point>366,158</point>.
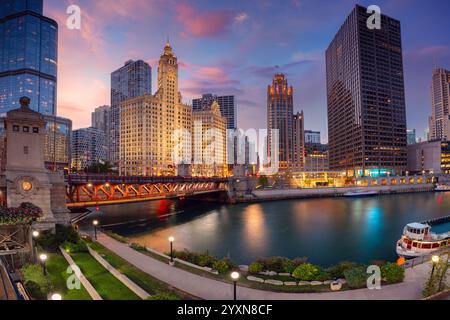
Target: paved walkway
<point>209,289</point>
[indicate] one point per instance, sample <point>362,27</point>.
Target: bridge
<point>99,190</point>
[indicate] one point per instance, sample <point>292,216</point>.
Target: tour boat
<point>418,240</point>
<point>442,188</point>
<point>360,193</point>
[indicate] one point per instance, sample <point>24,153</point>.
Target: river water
<point>326,231</point>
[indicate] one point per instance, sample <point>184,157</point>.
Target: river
<point>326,231</point>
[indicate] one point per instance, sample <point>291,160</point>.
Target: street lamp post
<point>171,240</point>
<point>435,260</point>
<point>35,236</point>
<point>235,276</point>
<point>43,258</point>
<point>95,223</point>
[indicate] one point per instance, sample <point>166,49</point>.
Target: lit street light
<point>171,240</point>
<point>35,236</point>
<point>235,276</point>
<point>435,260</point>
<point>95,223</point>
<point>56,297</point>
<point>43,258</point>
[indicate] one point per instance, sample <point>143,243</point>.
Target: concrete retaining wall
<point>84,281</point>
<point>121,277</point>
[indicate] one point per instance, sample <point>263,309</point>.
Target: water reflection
<point>324,230</point>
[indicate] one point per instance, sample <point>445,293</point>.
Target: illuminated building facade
<point>299,141</point>
<point>280,116</point>
<point>155,130</point>
<point>209,142</point>
<point>28,56</point>
<point>429,157</point>
<point>58,137</point>
<point>440,102</point>
<point>366,97</point>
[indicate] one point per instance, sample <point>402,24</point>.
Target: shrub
<point>164,296</point>
<point>356,277</point>
<point>137,247</point>
<point>50,241</point>
<point>392,273</point>
<point>221,266</point>
<point>276,264</point>
<point>78,247</point>
<point>255,268</point>
<point>35,281</point>
<point>337,271</point>
<point>307,272</point>
<point>205,260</point>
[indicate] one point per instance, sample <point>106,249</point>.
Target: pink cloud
<point>204,24</point>
<point>433,51</point>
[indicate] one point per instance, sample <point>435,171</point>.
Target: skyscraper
<point>366,97</point>
<point>88,148</point>
<point>101,119</point>
<point>28,56</point>
<point>440,103</point>
<point>227,107</point>
<point>280,116</point>
<point>156,129</point>
<point>134,79</point>
<point>412,137</point>
<point>299,141</point>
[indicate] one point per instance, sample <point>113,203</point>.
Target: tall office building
<point>101,119</point>
<point>299,141</point>
<point>209,148</point>
<point>366,97</point>
<point>28,56</point>
<point>156,129</point>
<point>58,137</point>
<point>134,79</point>
<point>312,137</point>
<point>412,137</point>
<point>440,103</point>
<point>88,148</point>
<point>227,107</point>
<point>280,116</point>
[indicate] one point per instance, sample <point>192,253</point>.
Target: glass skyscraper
<point>134,79</point>
<point>28,56</point>
<point>227,107</point>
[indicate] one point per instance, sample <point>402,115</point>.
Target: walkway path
<point>210,289</point>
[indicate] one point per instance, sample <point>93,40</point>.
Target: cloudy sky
<point>235,47</point>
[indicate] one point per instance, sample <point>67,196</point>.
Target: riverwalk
<point>209,289</point>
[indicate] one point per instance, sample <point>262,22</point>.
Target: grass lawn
<point>108,286</point>
<point>142,279</point>
<point>57,272</point>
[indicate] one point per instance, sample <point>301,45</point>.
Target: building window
<point>35,130</point>
<point>16,128</point>
<point>25,150</point>
<point>26,129</point>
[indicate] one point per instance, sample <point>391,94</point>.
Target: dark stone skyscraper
<point>227,107</point>
<point>366,97</point>
<point>280,116</point>
<point>28,56</point>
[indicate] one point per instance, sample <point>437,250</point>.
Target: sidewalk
<point>209,289</point>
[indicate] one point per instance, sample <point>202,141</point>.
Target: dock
<point>435,221</point>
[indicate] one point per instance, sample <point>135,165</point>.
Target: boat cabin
<point>418,231</point>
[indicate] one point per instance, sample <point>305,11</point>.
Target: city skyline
<point>111,39</point>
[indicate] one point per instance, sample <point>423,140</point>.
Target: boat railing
<point>424,259</point>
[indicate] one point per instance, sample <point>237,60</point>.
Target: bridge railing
<point>105,178</point>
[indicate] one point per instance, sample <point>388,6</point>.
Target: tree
<point>99,168</point>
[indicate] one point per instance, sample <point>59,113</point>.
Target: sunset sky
<point>235,47</point>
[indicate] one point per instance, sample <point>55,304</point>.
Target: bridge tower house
<point>27,179</point>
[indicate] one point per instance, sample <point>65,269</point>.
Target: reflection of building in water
<point>57,142</point>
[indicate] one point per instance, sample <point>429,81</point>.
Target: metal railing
<point>424,259</point>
